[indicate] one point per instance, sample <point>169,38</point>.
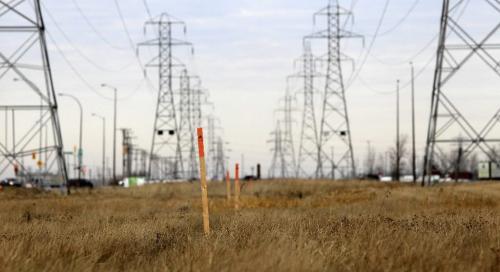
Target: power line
<point>95,29</point>
<point>403,86</point>
<point>422,50</point>
<point>381,20</point>
<point>82,78</point>
<point>132,45</point>
<point>125,28</point>
<point>402,20</point>
<point>413,57</point>
<point>73,68</point>
<point>77,50</point>
<point>148,10</point>
<point>421,71</point>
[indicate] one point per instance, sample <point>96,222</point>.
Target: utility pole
<point>398,143</point>
<point>414,152</point>
<point>115,91</point>
<point>458,44</point>
<point>27,48</point>
<point>80,150</point>
<point>166,138</point>
<point>103,147</point>
<point>335,129</point>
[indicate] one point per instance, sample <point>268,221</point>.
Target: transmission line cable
<point>421,71</point>
<point>422,50</point>
<point>132,46</point>
<point>372,43</point>
<point>77,50</point>
<point>148,10</point>
<point>94,28</point>
<point>79,75</point>
<point>401,20</point>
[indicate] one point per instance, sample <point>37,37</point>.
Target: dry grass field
<point>282,226</point>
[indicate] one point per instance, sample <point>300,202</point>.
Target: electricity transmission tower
<point>186,125</point>
<point>286,146</point>
<point>196,121</point>
<point>458,45</point>
<point>215,158</point>
<point>220,160</point>
<point>166,135</point>
<point>278,165</point>
<point>335,130</point>
<point>308,147</point>
<point>128,152</point>
<point>32,147</point>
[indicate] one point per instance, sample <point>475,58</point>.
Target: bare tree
<point>472,164</point>
<point>370,160</point>
<point>381,165</point>
<point>399,157</point>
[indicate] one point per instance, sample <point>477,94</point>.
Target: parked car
<point>11,182</point>
<point>80,183</point>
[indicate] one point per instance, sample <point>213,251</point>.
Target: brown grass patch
<point>284,226</point>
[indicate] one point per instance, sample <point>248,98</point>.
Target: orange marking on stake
<point>237,187</point>
<point>201,145</point>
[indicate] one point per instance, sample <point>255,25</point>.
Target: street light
<point>413,156</point>
<point>103,146</point>
<point>104,85</point>
<point>80,150</point>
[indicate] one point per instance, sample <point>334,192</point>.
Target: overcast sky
<point>244,51</point>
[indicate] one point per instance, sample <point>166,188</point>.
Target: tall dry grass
<point>282,226</point>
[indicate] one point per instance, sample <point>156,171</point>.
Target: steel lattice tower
<point>128,152</point>
<point>197,119</point>
<point>458,44</point>
<point>212,147</point>
<point>35,142</point>
<point>278,164</point>
<point>166,142</point>
<point>335,131</point>
<point>220,161</point>
<point>286,146</point>
<point>189,113</point>
<point>308,149</point>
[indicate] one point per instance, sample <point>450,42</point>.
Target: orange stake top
<point>237,171</point>
<point>201,147</point>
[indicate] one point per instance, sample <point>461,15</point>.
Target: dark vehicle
<point>250,178</point>
<point>80,183</point>
<point>11,182</point>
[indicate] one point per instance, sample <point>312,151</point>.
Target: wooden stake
<point>228,186</point>
<point>203,182</point>
<point>237,187</point>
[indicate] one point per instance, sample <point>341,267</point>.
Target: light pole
<point>414,156</point>
<point>115,90</point>
<point>398,146</point>
<point>103,146</point>
<point>80,150</point>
